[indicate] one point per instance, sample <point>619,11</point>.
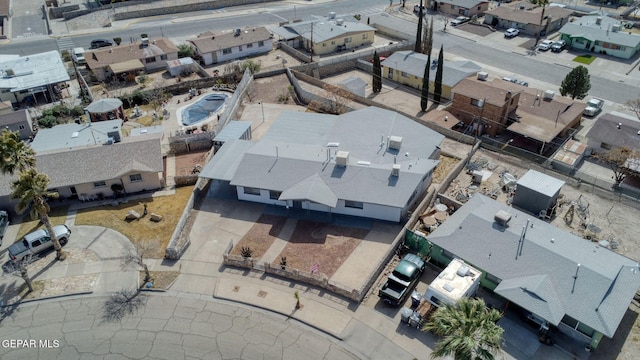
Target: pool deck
<point>211,120</point>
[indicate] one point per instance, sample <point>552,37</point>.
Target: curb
<point>53,297</point>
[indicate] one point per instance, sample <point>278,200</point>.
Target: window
<point>353,204</point>
<point>99,184</point>
<point>135,177</point>
<point>390,75</point>
<point>240,47</point>
<point>260,43</point>
<point>475,102</point>
<point>251,191</point>
<point>21,127</point>
<point>478,8</point>
<point>163,57</point>
<point>347,40</point>
<point>404,74</point>
<point>226,51</point>
<point>249,46</point>
<point>365,36</point>
<point>150,59</point>
<point>453,7</point>
<point>36,243</point>
<point>274,195</point>
<point>333,42</point>
<point>324,44</point>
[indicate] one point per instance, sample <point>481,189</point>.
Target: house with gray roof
<point>88,171</point>
<point>372,163</point>
<point>326,35</point>
<point>19,121</point>
<point>572,284</point>
<point>75,136</point>
<point>601,34</point>
<point>407,67</point>
<point>32,78</point>
<point>611,131</point>
<point>468,8</point>
<point>525,16</point>
<point>216,48</point>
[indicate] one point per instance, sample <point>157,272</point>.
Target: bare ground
<point>187,163</point>
<point>261,235</point>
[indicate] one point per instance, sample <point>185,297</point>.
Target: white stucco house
<point>371,163</point>
<point>216,48</point>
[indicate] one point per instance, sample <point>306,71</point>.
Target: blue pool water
<point>203,108</point>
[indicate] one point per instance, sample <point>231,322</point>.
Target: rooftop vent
<point>395,142</point>
<point>447,287</point>
<point>502,217</point>
<point>548,95</point>
<point>463,271</point>
<point>342,158</point>
<point>238,32</point>
<point>332,15</point>
<point>395,170</point>
<point>333,144</point>
<point>599,20</point>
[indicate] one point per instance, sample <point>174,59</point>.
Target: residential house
<point>324,36</point>
<point>216,48</point>
<point>493,107</point>
<point>83,162</point>
<point>371,163</point>
<point>407,67</point>
<point>32,79</point>
<point>468,8</point>
<point>564,281</point>
<point>525,16</point>
<point>19,121</point>
<point>610,131</point>
<point>147,55</point>
<point>602,35</point>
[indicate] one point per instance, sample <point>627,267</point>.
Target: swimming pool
<point>202,109</point>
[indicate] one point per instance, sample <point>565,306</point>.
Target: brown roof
<point>117,54</point>
<point>530,15</point>
<point>571,152</point>
<point>209,42</point>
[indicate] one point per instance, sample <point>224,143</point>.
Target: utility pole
<point>311,47</point>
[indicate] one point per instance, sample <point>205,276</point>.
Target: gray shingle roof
<point>599,296</point>
<point>466,4</point>
<point>68,136</point>
<point>413,63</point>
<point>587,28</point>
<point>294,150</point>
<point>209,42</point>
<point>323,30</point>
<point>104,105</point>
<point>313,188</point>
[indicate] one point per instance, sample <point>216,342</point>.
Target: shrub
<point>47,121</point>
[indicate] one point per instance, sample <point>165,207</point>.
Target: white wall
<point>236,53</point>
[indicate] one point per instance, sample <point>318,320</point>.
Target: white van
<point>78,56</point>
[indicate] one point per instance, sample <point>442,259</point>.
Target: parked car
<point>516,81</point>
<point>510,33</point>
<point>98,43</point>
<point>78,56</point>
<point>4,224</point>
<point>37,242</point>
<point>459,20</point>
<point>594,106</point>
<point>558,46</point>
<point>403,278</point>
<point>545,45</point>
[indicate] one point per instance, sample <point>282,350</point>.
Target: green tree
<point>117,40</point>
<point>376,82</point>
<point>469,330</point>
<point>253,66</point>
<point>437,86</point>
<point>577,83</point>
<point>418,46</point>
<point>31,191</point>
<point>544,4</point>
<point>186,50</point>
<point>619,160</point>
<point>427,42</point>
<point>15,154</point>
<point>424,93</point>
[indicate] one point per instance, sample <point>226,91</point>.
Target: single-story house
<point>32,78</point>
<point>215,48</point>
<point>601,34</point>
<point>19,121</point>
<point>147,55</point>
<point>371,163</point>
<point>468,8</point>
<point>525,16</point>
<point>324,36</point>
<point>493,107</point>
<point>407,67</point>
<point>76,136</point>
<point>572,284</point>
<point>611,131</point>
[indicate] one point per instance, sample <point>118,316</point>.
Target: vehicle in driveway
<point>78,56</point>
<point>403,278</point>
<point>558,46</point>
<point>594,106</point>
<point>545,45</point>
<point>37,242</point>
<point>510,33</point>
<point>459,20</point>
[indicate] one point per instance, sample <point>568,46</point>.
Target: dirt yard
<point>261,235</point>
<point>187,163</point>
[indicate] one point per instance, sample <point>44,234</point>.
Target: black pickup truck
<point>403,278</point>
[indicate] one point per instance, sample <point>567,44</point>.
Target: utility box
<point>536,192</point>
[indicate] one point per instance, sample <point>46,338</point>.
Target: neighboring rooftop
<point>73,136</point>
<point>413,63</point>
<point>615,131</point>
<point>541,183</point>
<point>126,52</point>
<point>27,72</point>
<point>525,12</point>
<point>455,279</point>
<point>597,27</point>
<point>209,41</point>
<point>323,29</point>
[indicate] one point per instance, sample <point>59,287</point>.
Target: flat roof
<point>450,283</point>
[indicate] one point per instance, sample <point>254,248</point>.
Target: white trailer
<point>458,280</point>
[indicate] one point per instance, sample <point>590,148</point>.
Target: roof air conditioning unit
<point>342,158</point>
<point>502,218</point>
<point>332,15</point>
<point>482,75</point>
<point>599,20</point>
<point>395,170</point>
<point>339,22</point>
<point>615,27</point>
<point>395,142</point>
<point>548,95</point>
<point>238,32</point>
<point>463,271</point>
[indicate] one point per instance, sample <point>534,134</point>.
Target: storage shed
<point>537,193</point>
<point>177,67</point>
<point>233,131</point>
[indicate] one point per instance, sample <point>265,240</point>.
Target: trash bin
<point>405,314</point>
<point>415,299</point>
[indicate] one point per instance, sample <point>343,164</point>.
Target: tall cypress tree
<point>430,38</point>
<point>418,47</point>
<point>376,83</point>
<point>437,87</point>
<point>425,39</point>
<point>424,94</point>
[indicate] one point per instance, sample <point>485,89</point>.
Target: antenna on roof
<point>575,277</point>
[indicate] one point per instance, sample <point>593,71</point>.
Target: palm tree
<point>15,155</point>
<point>31,191</point>
<point>469,330</point>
